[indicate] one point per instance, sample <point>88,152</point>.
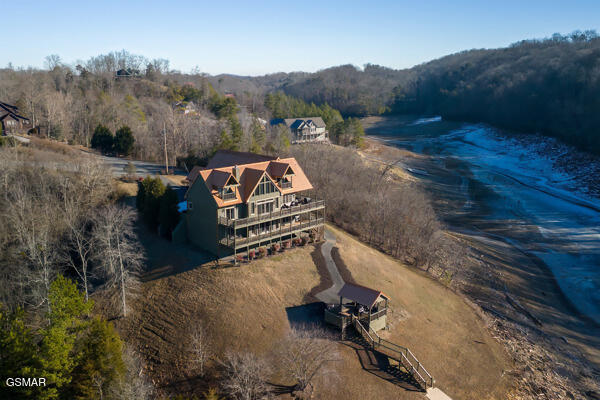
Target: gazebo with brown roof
<point>365,304</point>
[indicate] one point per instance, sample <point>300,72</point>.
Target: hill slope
<point>247,308</point>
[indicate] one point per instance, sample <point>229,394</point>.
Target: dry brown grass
<point>441,329</point>
<point>125,189</point>
<point>244,308</point>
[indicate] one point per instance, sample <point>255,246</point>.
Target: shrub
<point>130,170</point>
<point>7,141</point>
<point>297,242</point>
<point>287,244</point>
<point>102,139</point>
<point>275,247</point>
<point>123,142</point>
<point>148,199</point>
<point>251,255</point>
<point>168,216</point>
<point>262,252</point>
<point>304,240</point>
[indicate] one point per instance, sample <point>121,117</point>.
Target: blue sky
<point>258,37</point>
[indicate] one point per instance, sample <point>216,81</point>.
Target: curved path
<point>330,295</point>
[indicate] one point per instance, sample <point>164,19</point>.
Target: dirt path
<point>330,295</point>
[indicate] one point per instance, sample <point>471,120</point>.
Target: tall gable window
<point>265,186</point>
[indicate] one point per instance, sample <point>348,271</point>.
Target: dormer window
<point>286,182</point>
<point>228,193</point>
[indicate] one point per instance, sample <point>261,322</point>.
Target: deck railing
<point>379,314</point>
<point>275,233</point>
<point>401,354</point>
<point>285,212</point>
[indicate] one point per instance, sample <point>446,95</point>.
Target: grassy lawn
<point>439,327</point>
<point>244,308</point>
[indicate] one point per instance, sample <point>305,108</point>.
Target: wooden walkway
<point>400,354</point>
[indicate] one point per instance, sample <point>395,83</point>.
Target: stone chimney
<point>236,172</point>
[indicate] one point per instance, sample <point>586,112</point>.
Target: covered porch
<point>367,305</point>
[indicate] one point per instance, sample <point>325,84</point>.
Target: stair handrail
<point>404,352</point>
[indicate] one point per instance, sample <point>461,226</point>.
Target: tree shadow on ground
<point>379,364</point>
<point>306,314</point>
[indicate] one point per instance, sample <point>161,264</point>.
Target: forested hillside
<point>548,86</point>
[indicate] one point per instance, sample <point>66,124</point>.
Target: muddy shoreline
<point>510,283</point>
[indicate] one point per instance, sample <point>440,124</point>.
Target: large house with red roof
<point>242,201</point>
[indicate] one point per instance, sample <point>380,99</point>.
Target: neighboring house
<point>10,119</point>
<point>127,73</point>
<point>242,201</point>
<point>186,107</point>
<point>304,130</point>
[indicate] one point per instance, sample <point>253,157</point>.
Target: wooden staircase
<point>400,354</point>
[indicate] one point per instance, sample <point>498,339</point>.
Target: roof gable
<point>361,294</point>
<point>249,176</point>
<point>227,158</point>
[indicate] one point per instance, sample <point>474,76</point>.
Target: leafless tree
<point>307,353</point>
<point>33,224</point>
<point>393,216</point>
<point>117,250</point>
<point>200,347</point>
<point>245,376</point>
<point>134,385</point>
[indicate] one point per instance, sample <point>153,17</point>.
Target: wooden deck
<point>239,243</point>
<point>395,352</point>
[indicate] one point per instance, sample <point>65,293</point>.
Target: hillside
<point>248,308</point>
<point>546,86</point>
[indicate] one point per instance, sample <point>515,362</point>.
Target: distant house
<point>10,119</point>
<point>311,129</point>
<point>242,201</point>
<point>186,107</point>
<point>127,73</point>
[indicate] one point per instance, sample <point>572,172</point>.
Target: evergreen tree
<point>258,137</point>
<point>149,194</point>
<point>169,213</point>
<point>236,132</point>
<point>123,142</point>
<point>99,361</point>
<point>56,361</point>
<point>226,143</point>
<point>17,352</point>
<point>102,139</point>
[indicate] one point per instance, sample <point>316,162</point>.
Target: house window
<point>252,208</point>
<point>230,213</point>
<point>265,208</point>
<point>265,186</point>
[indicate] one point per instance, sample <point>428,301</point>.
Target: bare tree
<point>79,243</point>
<point>134,385</point>
<point>200,347</point>
<point>306,353</point>
<point>245,376</point>
<point>33,223</point>
<point>117,250</point>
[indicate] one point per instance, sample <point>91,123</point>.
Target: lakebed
<point>536,228</point>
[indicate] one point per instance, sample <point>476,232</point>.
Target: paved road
<point>330,295</point>
<point>143,168</point>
